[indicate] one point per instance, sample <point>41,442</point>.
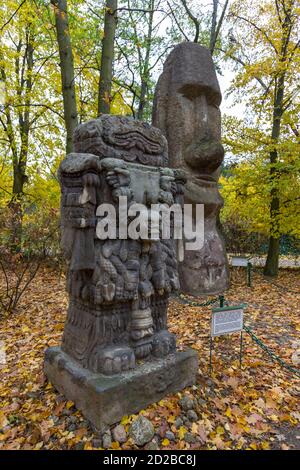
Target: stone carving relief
<point>186,109</point>
<point>118,288</point>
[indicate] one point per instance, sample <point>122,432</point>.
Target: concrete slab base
<point>104,400</point>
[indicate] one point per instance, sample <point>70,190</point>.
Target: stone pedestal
<point>104,400</point>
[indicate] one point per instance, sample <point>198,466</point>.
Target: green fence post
<point>249,274</point>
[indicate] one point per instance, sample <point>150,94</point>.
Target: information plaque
<point>226,320</point>
<point>239,261</point>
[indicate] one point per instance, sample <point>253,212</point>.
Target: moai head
<point>186,109</point>
<point>119,286</point>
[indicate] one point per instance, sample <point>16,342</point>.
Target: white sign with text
<point>226,320</point>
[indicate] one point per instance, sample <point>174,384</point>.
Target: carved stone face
<point>186,109</point>
<point>202,153</point>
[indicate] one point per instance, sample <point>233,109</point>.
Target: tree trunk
<point>216,28</point>
<point>271,267</point>
<point>107,57</point>
<point>145,72</point>
<point>212,40</point>
<point>23,73</point>
<point>66,69</point>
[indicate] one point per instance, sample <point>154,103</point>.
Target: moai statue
<point>117,354</point>
<point>186,109</point>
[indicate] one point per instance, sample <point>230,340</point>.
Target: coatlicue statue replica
<point>117,354</point>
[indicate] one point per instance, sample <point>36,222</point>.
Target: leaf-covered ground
<point>256,407</point>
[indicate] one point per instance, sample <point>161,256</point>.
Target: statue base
<point>104,400</point>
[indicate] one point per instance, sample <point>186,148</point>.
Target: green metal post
<point>249,274</point>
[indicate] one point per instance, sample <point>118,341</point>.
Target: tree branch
<point>194,20</point>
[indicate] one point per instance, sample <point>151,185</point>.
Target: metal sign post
<point>226,320</point>
<point>249,274</point>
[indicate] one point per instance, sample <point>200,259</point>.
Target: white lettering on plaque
<point>226,320</point>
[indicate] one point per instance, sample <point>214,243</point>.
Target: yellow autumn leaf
<point>220,430</point>
<point>125,420</point>
<point>88,446</point>
<point>39,445</point>
<point>253,446</point>
<point>69,404</point>
<point>171,419</point>
<point>165,442</point>
<point>195,428</point>
<point>115,445</point>
<point>181,432</point>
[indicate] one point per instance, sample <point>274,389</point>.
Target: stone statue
<point>117,354</point>
<point>186,109</point>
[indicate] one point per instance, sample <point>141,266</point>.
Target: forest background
<point>65,62</point>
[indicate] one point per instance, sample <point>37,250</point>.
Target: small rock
<point>210,393</point>
<point>201,402</point>
<point>141,430</point>
<point>192,415</point>
<point>225,392</point>
<point>186,403</point>
<point>97,443</point>
<point>106,440</point>
<point>170,435</point>
<point>34,395</point>
<point>73,419</point>
<point>178,422</point>
<point>119,434</point>
<point>72,427</point>
<point>189,437</point>
<point>152,446</point>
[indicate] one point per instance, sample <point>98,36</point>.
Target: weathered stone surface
<point>186,403</point>
<point>189,437</point>
<point>192,415</point>
<point>170,435</point>
<point>178,422</point>
<point>152,446</point>
<point>141,431</point>
<point>103,399</point>
<point>118,288</point>
<point>106,440</point>
<point>186,109</point>
<point>119,433</point>
<point>119,284</point>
